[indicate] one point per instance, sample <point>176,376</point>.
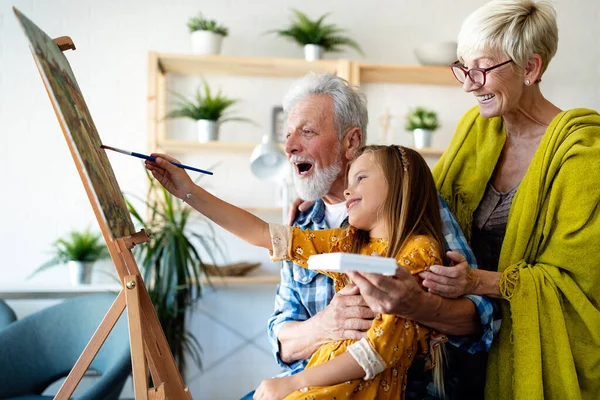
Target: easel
<point>147,339</point>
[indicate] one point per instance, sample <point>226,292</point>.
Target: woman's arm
<point>241,223</point>
<point>460,280</point>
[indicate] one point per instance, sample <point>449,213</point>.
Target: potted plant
<point>316,36</point>
<point>207,35</point>
<point>422,122</point>
<point>80,250</point>
<point>172,264</point>
<point>209,110</point>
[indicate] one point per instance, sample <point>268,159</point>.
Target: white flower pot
<point>208,131</point>
<point>422,138</point>
<point>206,42</point>
<point>80,272</point>
<point>313,52</point>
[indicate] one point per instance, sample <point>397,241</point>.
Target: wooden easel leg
<point>145,335</point>
<point>162,365</point>
<point>136,333</point>
<point>138,360</point>
<point>158,393</point>
<point>92,348</point>
<point>128,297</point>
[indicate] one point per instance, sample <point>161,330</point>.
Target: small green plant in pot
<point>173,263</point>
<point>422,122</point>
<point>316,36</point>
<point>209,110</point>
<point>207,35</point>
<point>79,250</point>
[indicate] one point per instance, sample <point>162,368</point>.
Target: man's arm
<point>289,308</point>
<point>457,317</point>
<point>488,312</point>
<point>346,317</point>
<point>304,318</point>
<point>295,341</point>
<point>401,295</point>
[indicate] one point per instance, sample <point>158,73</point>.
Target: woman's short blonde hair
<point>517,28</point>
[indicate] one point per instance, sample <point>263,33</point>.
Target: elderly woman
<point>522,177</point>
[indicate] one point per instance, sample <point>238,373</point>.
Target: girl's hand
<point>452,282</point>
<point>276,388</point>
<point>173,178</point>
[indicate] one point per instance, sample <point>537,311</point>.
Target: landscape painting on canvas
<point>79,129</point>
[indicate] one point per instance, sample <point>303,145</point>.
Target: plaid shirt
<point>302,293</point>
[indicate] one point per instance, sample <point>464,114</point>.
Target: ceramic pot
<point>313,52</point>
<point>422,138</point>
<point>208,131</point>
<point>206,42</point>
<point>80,272</point>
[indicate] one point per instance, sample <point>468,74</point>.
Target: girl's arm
<point>241,223</point>
<point>341,369</point>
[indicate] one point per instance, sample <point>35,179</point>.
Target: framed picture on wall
<point>278,124</point>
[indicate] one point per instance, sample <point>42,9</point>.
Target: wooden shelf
<point>377,73</point>
<point>431,152</point>
<point>179,146</point>
<point>243,66</point>
<point>240,280</point>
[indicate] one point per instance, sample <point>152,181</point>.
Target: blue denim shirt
<point>302,293</point>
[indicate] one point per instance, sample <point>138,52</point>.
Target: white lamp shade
<point>268,161</point>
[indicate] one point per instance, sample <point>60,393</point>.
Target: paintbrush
<point>145,157</point>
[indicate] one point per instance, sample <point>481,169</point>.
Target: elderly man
<point>326,124</point>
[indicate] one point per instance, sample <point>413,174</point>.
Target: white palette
<point>343,262</point>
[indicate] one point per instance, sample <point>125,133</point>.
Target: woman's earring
<point>527,82</point>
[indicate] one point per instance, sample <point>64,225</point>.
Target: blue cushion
<point>43,347</point>
<point>7,315</point>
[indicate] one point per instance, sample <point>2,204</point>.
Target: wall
<point>42,196</point>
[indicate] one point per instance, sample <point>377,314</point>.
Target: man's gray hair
<point>350,105</point>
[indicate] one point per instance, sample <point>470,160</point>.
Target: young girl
<point>393,211</point>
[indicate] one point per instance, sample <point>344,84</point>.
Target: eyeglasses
<point>477,75</point>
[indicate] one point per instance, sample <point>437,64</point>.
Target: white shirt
<point>335,214</point>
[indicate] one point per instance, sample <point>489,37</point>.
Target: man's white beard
<point>318,185</point>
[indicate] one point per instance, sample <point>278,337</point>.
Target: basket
<point>236,269</point>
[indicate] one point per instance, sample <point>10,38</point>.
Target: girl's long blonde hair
<point>411,207</point>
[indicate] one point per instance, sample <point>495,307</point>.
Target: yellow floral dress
<point>396,340</point>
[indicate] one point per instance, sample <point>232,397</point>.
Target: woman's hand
<point>276,388</point>
<point>173,178</point>
<point>298,205</point>
<point>452,282</point>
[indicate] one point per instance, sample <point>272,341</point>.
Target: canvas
<point>79,129</point>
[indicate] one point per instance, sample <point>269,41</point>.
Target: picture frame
<point>278,124</point>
